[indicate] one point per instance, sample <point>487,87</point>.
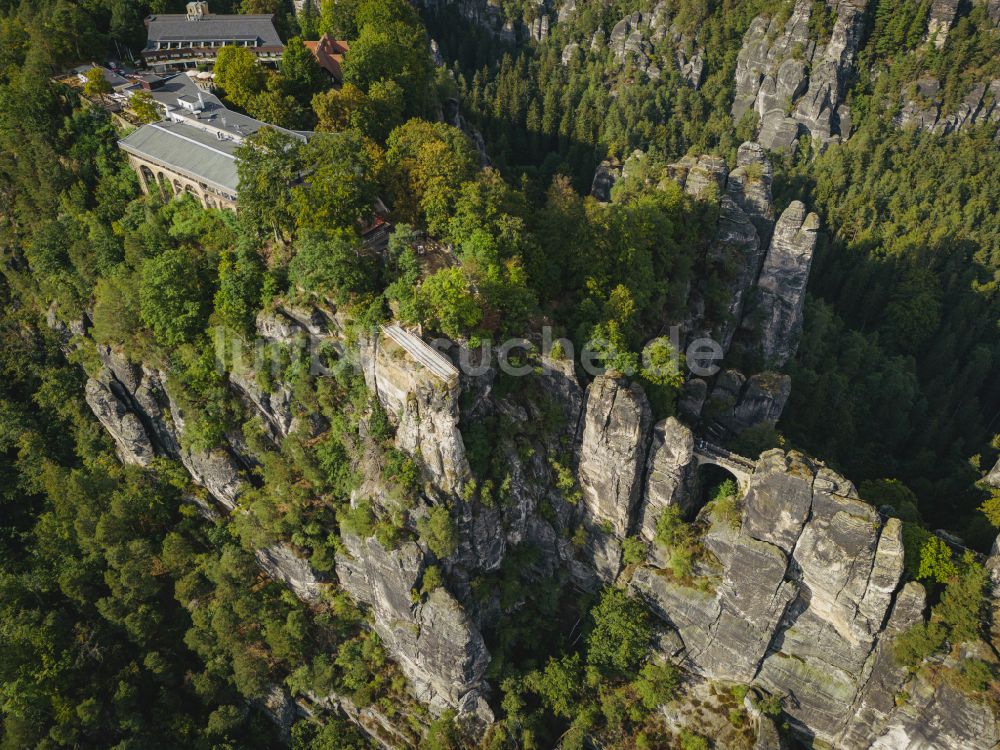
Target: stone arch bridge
<point>739,466</point>
<point>742,468</point>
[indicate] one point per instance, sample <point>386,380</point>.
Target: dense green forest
<point>129,620</point>
<point>898,373</point>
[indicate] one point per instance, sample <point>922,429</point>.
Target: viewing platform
<point>426,355</point>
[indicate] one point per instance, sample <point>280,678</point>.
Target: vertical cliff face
<point>134,405</point>
<point>745,223</point>
<point>489,16</point>
<point>670,475</point>
<point>613,450</point>
<point>439,649</point>
<point>424,406</point>
<point>433,641</point>
<point>766,265</point>
<point>802,596</point>
<point>798,592</point>
<point>782,284</point>
<point>941,19</point>
<point>794,83</point>
<point>750,186</point>
<point>936,714</point>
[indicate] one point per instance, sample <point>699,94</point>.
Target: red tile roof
<point>329,53</point>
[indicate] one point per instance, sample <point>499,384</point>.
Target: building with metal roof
<point>193,148</point>
<point>115,81</point>
<point>182,100</point>
<point>183,40</point>
<point>174,157</point>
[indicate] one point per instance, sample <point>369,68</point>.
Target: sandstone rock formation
<point>489,16</point>
<point>132,403</point>
<point>745,225</point>
<point>441,652</point>
<point>425,409</point>
<point>284,566</point>
<point>936,715</point>
<point>136,409</point>
<point>613,450</point>
<point>133,445</point>
<point>876,701</point>
<point>737,243</point>
<point>670,474</point>
<point>570,53</point>
<point>782,283</point>
<point>605,177</point>
<point>922,107</point>
<point>993,478</point>
<point>939,22</point>
<point>642,40</point>
<point>800,597</point>
<point>794,83</point>
<point>749,185</point>
<point>993,566</point>
<point>799,594</point>
<point>738,403</point>
<point>566,10</point>
<point>627,42</point>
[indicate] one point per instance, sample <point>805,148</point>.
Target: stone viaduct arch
<point>740,467</point>
<point>155,177</point>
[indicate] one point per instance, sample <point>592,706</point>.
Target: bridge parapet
<point>739,466</point>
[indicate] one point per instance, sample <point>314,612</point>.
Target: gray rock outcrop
<point>795,589</point>
<point>424,408</point>
<point>847,569</point>
<point>749,184</point>
<point>691,399</point>
<point>570,53</point>
<point>940,20</point>
<point>692,69</point>
<point>538,29</point>
<point>922,107</point>
<point>782,283</point>
<point>745,225</point>
<point>738,403</point>
<point>605,177</point>
<point>438,648</point>
<point>939,716</point>
<point>284,566</point>
<point>135,407</point>
<point>613,450</point>
<point>703,177</point>
<point>993,566</point>
<point>876,701</point>
<point>736,245</point>
<point>794,83</point>
<point>642,41</point>
<point>670,474</point>
<point>993,478</point>
<point>566,10</point>
<point>132,443</point>
<point>800,598</point>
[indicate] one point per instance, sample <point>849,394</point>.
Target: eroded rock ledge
<point>804,598</point>
<point>799,592</point>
